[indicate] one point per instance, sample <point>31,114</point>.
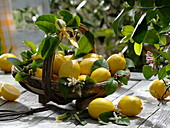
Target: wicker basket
<point>48,90</point>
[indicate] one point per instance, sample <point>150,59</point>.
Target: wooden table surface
<point>151,116</point>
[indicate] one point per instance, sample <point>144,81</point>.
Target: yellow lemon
<point>93,55</point>
<point>10,92</point>
<point>157,89</point>
<point>85,66</point>
<point>38,72</point>
<point>0,88</point>
<point>82,77</point>
<point>58,61</point>
<point>100,74</point>
<point>69,57</point>
<point>130,105</point>
<point>5,65</point>
<point>116,62</point>
<point>61,53</point>
<point>98,106</point>
<point>70,68</point>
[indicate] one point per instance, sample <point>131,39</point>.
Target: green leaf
<point>65,117</point>
<point>125,39</point>
<point>137,16</point>
<point>16,62</point>
<point>86,44</point>
<point>129,63</point>
<point>81,121</point>
<point>31,45</point>
<point>38,63</point>
<point>63,87</point>
<point>113,117</point>
<point>164,54</point>
<point>127,30</point>
<point>89,81</point>
<point>111,86</point>
<point>21,76</point>
<point>150,15</point>
<point>48,18</point>
<point>162,73</point>
<point>63,47</point>
<point>164,10</point>
<point>162,39</point>
<point>122,73</point>
<point>140,30</point>
<point>26,55</point>
<point>147,3</point>
<point>67,16</point>
<point>48,46</point>
<point>99,63</point>
<point>74,22</point>
<point>168,69</point>
<point>104,33</point>
<point>115,23</point>
<point>165,30</point>
<point>138,48</point>
<point>153,40</point>
<point>104,117</point>
<point>47,27</point>
<point>123,120</point>
<point>148,72</point>
<point>123,80</point>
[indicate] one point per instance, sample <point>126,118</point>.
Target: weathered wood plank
<point>160,119</point>
<point>139,76</point>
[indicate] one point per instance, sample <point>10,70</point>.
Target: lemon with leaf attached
<point>116,62</point>
<point>98,106</point>
<point>157,89</point>
<point>5,65</point>
<point>130,105</point>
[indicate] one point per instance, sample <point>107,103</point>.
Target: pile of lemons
<point>67,66</point>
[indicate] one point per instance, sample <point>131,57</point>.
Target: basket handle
<point>47,75</point>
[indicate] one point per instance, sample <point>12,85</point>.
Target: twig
<point>167,89</point>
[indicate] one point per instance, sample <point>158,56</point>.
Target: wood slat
<point>160,119</point>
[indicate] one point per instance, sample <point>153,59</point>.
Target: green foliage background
<point>106,18</point>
